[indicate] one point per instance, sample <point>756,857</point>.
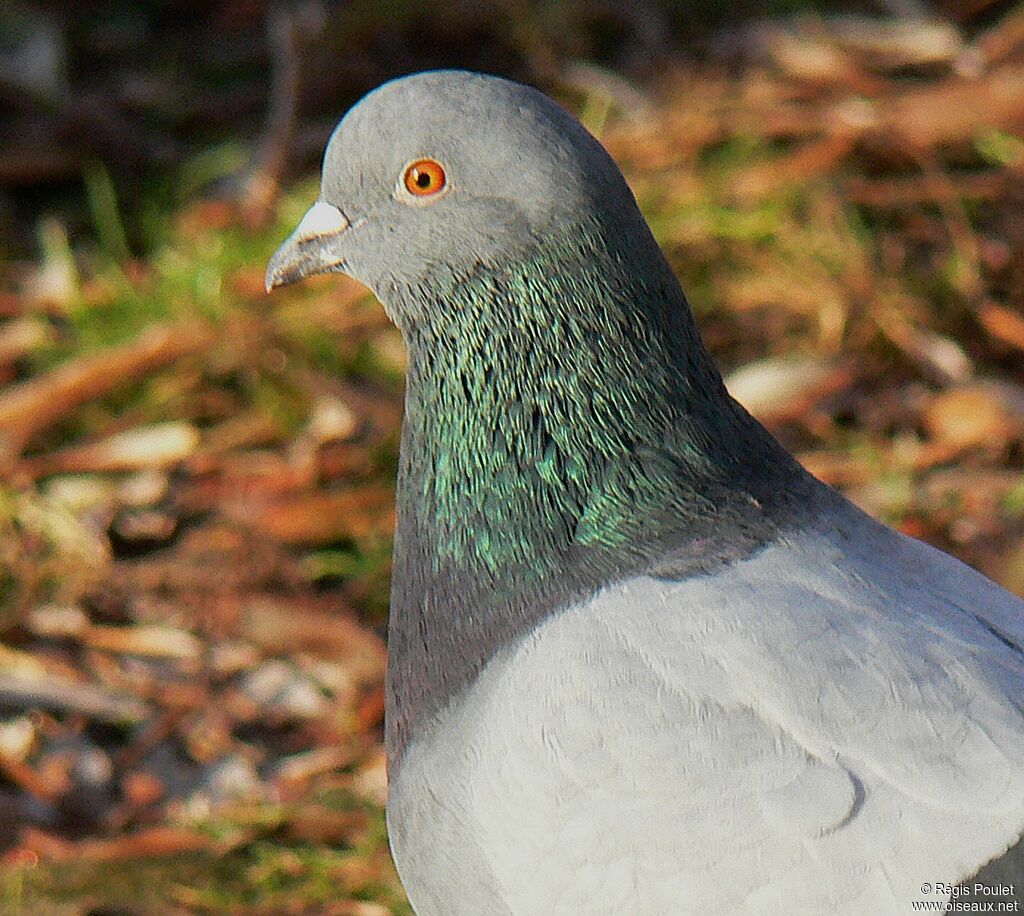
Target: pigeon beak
<point>311,249</point>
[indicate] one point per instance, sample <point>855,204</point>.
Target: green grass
<point>268,873</point>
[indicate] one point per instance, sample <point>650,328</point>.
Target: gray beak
<point>311,249</point>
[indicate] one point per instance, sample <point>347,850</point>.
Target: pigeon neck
<point>564,428</point>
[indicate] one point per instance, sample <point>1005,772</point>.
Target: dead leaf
<point>320,518</point>
<point>784,388</point>
<point>155,447</point>
<point>985,415</point>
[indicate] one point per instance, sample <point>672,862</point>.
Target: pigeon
<point>640,660</point>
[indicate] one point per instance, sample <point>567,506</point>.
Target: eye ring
<point>424,178</point>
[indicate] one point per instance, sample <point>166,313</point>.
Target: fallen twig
<point>152,843</point>
<point>66,697</point>
<point>33,405</point>
<point>914,190</point>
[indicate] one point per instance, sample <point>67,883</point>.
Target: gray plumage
<point>639,660</point>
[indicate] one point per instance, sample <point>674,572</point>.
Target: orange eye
<point>425,177</point>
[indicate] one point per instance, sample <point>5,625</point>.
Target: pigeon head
<point>434,176</point>
<point>558,393</point>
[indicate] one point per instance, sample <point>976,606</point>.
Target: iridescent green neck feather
<point>564,428</point>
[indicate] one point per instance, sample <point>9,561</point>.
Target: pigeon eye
<point>425,177</point>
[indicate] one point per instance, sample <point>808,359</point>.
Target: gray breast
<point>807,731</point>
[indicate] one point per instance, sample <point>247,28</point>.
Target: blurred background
<point>196,480</point>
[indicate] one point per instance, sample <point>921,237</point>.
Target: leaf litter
<point>196,494</point>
